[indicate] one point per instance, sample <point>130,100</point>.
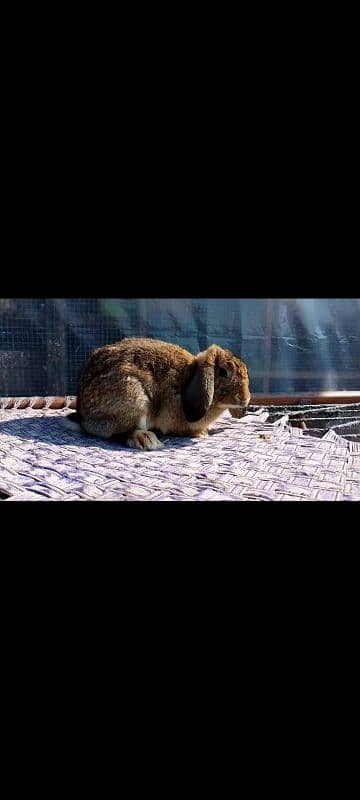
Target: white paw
<point>144,440</point>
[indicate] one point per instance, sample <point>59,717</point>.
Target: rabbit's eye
<point>222,372</point>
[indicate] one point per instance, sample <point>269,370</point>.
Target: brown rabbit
<point>136,386</point>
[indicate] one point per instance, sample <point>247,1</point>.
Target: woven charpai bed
<point>242,459</point>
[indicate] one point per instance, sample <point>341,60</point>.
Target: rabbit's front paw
<point>144,440</point>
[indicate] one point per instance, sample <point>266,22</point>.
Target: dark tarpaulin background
<point>290,345</point>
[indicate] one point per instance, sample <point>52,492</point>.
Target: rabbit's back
<point>154,362</point>
<point>145,354</point>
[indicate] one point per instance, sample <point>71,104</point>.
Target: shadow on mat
<point>50,430</point>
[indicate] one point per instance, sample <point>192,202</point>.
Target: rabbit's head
<point>219,379</point>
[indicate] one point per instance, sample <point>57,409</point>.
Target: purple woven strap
<point>247,459</point>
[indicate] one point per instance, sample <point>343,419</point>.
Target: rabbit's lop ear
<point>198,394</point>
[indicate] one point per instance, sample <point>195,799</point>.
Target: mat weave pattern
<point>247,459</point>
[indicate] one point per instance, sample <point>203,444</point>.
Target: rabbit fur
<point>137,386</point>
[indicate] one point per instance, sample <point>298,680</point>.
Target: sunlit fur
<point>137,386</point>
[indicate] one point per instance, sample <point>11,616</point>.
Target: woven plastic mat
<point>242,459</point>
